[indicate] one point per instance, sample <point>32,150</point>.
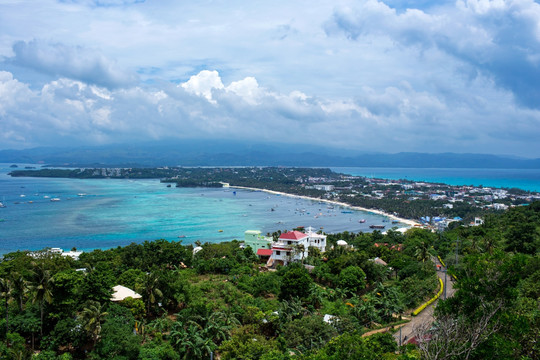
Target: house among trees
<point>256,241</point>
<point>293,246</point>
<point>121,293</point>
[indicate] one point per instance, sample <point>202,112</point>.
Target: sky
<point>365,75</point>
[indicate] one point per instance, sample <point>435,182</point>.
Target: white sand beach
<point>373,211</point>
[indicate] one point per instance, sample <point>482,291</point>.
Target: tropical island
<point>433,204</point>
<point>165,300</point>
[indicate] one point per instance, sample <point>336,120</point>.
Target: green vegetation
<point>222,301</point>
<point>216,301</point>
<point>495,312</point>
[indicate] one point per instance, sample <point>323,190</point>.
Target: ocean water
<point>526,179</point>
<point>116,212</point>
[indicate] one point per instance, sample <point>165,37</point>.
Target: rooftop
<point>292,235</point>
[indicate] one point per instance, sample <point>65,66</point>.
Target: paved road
<point>407,331</point>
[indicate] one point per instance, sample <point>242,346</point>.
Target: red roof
<point>292,235</point>
<point>264,252</point>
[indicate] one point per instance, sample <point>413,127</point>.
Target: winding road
<point>407,330</point>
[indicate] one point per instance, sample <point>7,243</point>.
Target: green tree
<point>92,317</point>
<point>118,340</point>
<point>5,293</point>
<point>352,279</point>
<point>150,290</point>
<point>20,287</point>
<point>41,288</point>
<point>307,333</point>
<point>98,282</point>
<point>423,251</point>
<point>296,282</point>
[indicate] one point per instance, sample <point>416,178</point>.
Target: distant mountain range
<point>229,153</point>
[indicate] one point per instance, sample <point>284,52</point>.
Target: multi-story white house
<point>294,245</point>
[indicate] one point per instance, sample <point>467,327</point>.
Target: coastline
<point>409,222</point>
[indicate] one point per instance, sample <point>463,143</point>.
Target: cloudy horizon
<point>383,76</point>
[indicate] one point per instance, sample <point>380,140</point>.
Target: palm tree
<point>92,316</point>
<point>5,293</point>
<point>20,287</point>
<point>150,290</point>
<point>299,249</point>
<point>41,288</point>
<point>422,252</point>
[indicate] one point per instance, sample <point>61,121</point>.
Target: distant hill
<point>229,153</point>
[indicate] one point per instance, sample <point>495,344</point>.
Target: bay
<point>525,179</point>
<point>117,212</point>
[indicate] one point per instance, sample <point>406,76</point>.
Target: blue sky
<point>391,76</point>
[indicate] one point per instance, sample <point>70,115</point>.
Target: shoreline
<point>409,222</point>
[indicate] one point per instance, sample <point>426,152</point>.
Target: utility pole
<point>457,249</point>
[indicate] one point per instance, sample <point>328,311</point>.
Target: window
<point>278,252</point>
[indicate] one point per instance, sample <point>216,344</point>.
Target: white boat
<point>55,199</point>
<point>2,205</point>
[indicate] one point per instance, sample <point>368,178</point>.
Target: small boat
<point>81,194</point>
<point>220,230</point>
<point>361,221</point>
<point>346,212</point>
<point>376,226</point>
<point>55,199</point>
<point>395,221</point>
<point>169,185</point>
<point>2,205</point>
<point>181,236</point>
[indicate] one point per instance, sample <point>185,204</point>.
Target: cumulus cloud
<point>498,38</point>
<point>204,83</point>
<point>400,117</point>
<point>75,62</point>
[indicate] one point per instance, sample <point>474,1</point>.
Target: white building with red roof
<point>294,245</point>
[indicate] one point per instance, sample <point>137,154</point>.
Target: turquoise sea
<point>117,212</point>
<point>526,179</point>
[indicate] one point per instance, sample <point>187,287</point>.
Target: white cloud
<point>204,83</point>
<point>392,75</point>
<point>248,89</point>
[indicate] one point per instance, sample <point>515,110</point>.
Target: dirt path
<point>407,331</point>
<point>384,329</point>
